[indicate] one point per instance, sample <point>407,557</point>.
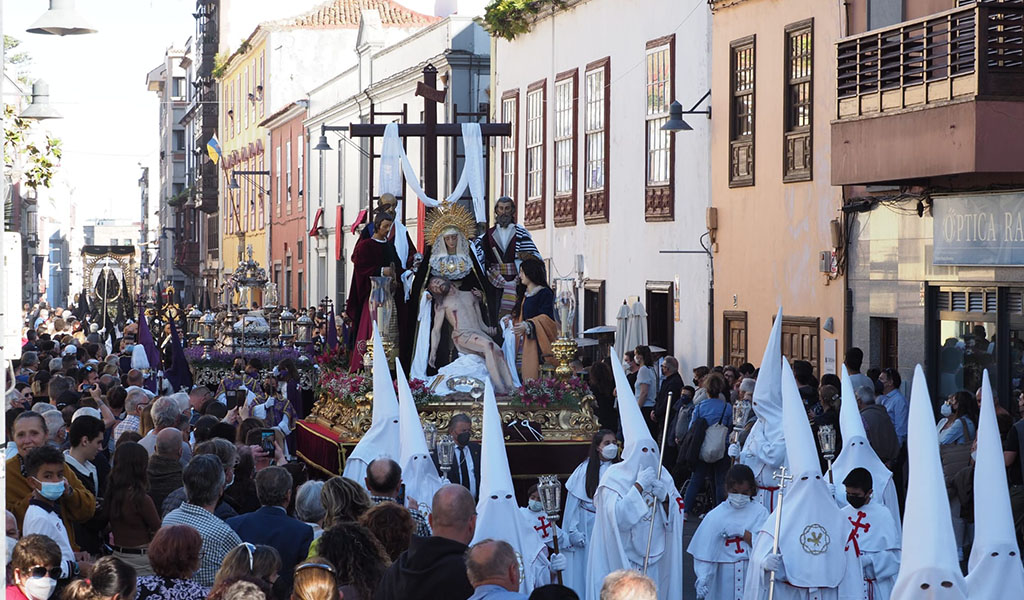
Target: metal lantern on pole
<point>287,334</point>
<point>549,488</point>
<point>303,332</point>
<point>430,435</point>
<point>740,412</point>
<point>208,333</point>
<point>192,325</point>
<point>445,454</point>
<point>827,442</point>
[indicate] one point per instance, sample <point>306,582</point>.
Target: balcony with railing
<point>941,95</point>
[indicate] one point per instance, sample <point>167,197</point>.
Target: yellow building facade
<point>242,140</point>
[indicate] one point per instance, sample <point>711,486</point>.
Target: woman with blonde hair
<point>343,500</point>
<point>315,580</point>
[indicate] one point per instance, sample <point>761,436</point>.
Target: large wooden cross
<point>429,131</point>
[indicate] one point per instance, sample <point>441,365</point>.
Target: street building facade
<point>610,198</point>
<point>778,230</point>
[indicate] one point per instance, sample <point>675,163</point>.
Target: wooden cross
<point>429,130</point>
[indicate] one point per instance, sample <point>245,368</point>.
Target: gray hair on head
<point>865,395</point>
<point>489,559</point>
<point>628,585</point>
<point>166,412</point>
<point>308,506</point>
<point>204,480</point>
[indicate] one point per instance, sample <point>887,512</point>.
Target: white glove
<point>646,478</point>
<point>773,562</point>
<point>558,562</point>
<point>659,489</point>
<point>577,539</point>
<point>702,589</point>
<point>733,531</point>
<point>734,450</point>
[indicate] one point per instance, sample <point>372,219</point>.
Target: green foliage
<point>220,64</point>
<point>17,62</point>
<point>31,162</point>
<point>509,18</point>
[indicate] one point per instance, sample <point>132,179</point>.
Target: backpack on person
<point>691,448</point>
<point>716,438</point>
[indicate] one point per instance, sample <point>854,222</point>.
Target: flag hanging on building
<point>213,148</point>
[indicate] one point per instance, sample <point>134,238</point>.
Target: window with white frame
<point>298,164</point>
<point>277,178</point>
<point>659,91</point>
<point>564,135</point>
<point>288,170</point>
<point>594,128</point>
<point>509,156</point>
<point>535,143</point>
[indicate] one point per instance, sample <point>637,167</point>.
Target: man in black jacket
<point>465,469</point>
<point>435,567</point>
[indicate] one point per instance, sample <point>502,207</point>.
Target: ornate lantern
<point>303,332</point>
<point>208,333</point>
<point>740,413</point>
<point>430,435</point>
<point>287,335</point>
<point>445,454</point>
<point>827,442</point>
<point>549,488</point>
<point>192,325</point>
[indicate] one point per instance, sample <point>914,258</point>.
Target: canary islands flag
<point>213,148</point>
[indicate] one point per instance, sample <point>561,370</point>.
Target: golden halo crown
<point>445,216</point>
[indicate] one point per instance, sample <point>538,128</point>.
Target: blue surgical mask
<point>51,490</point>
<point>536,506</point>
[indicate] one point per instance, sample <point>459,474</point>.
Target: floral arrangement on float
<point>550,392</point>
<point>352,389</point>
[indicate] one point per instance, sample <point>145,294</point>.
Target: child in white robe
<point>721,545</point>
<point>873,536</point>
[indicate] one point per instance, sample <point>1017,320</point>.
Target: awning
<point>316,223</point>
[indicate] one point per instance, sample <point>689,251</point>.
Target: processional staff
<point>782,478</point>
<point>661,457</point>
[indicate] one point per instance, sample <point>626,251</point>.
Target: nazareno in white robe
<point>720,561</point>
<point>879,547</point>
<point>621,530</point>
<point>579,518</point>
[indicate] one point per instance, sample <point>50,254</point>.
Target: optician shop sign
<point>979,230</point>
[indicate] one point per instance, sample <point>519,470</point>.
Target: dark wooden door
<point>800,340</point>
<point>890,344</point>
<point>735,328</point>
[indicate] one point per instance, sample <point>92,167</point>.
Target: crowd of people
<point>118,489</point>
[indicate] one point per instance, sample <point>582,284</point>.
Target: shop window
<point>968,322</point>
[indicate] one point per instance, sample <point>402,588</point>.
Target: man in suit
<point>465,469</point>
<point>271,525</point>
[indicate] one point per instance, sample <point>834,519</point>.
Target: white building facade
<point>381,88</point>
<point>606,194</point>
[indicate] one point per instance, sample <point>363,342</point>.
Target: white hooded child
<point>418,471</point>
<point>382,439</point>
<point>811,562</point>
<point>534,514</point>
<point>873,537</point>
<point>498,516</point>
<point>578,520</point>
<point>765,449</point>
<point>994,566</point>
<point>929,569</point>
<point>629,495</point>
<point>722,543</point>
<point>858,453</point>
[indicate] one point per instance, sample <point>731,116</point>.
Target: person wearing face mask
<point>44,468</point>
<point>465,469</point>
<point>12,534</point>
<point>534,514</point>
<point>959,415</point>
<point>721,545</point>
<point>35,568</point>
<point>873,536</point>
<point>578,519</point>
<point>76,504</point>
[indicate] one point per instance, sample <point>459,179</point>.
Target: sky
<point>98,84</point>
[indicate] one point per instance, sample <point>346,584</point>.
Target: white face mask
<point>610,451</point>
<point>10,547</point>
<point>535,506</point>
<point>946,410</point>
<point>39,588</point>
<point>739,500</point>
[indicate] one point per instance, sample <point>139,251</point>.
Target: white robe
<point>579,519</point>
<point>720,561</point>
<point>878,545</point>
<point>621,532</point>
<point>850,588</point>
<point>545,528</point>
<point>764,454</point>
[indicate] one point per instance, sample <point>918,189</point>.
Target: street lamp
<point>675,115</point>
<point>62,19</point>
<point>40,108</point>
<point>322,144</point>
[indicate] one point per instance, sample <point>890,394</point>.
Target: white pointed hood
<point>418,471</point>
<point>812,533</point>
<point>767,402</point>
<point>994,566</point>
<point>498,514</point>
<point>857,451</point>
<point>382,437</point>
<point>639,449</point>
<point>139,359</point>
<point>929,569</point>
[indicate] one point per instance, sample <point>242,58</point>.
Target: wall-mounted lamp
<point>322,144</point>
<point>675,115</point>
